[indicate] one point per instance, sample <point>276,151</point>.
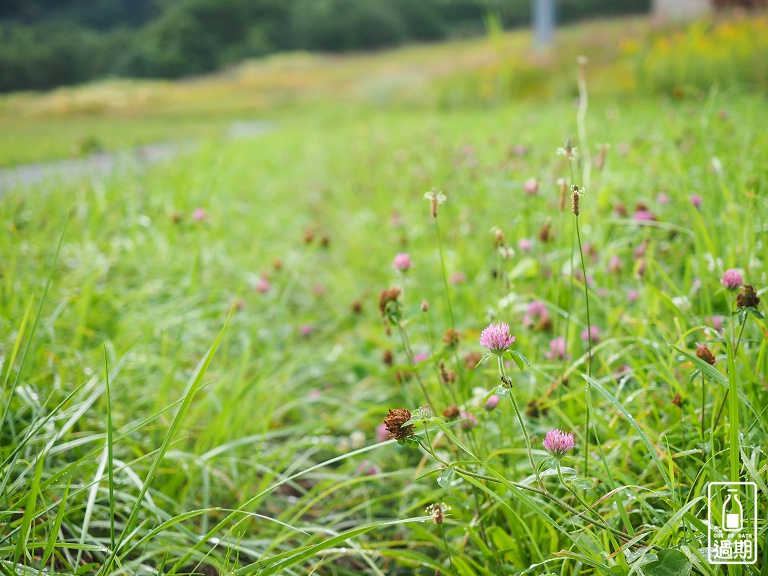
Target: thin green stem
<point>542,492</point>
<point>409,353</point>
<point>587,414</point>
<point>703,408</point>
<point>447,549</point>
<point>527,441</point>
<point>506,381</point>
<point>460,372</point>
<point>572,491</point>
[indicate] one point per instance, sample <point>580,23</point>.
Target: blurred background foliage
<point>49,43</point>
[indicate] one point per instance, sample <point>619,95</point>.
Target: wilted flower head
<point>496,338</point>
<point>402,262</point>
<point>451,412</point>
<point>747,298</point>
<point>394,422</point>
<point>389,306</point>
<point>446,376</point>
<point>556,349</point>
<point>451,337</point>
<point>498,236</point>
<point>558,443</point>
<point>471,359</point>
<point>732,279</point>
<point>705,354</point>
<point>424,306</point>
<point>545,234</point>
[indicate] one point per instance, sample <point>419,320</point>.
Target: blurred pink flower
<point>696,200</point>
<point>662,198</point>
<point>263,284</point>
<point>593,334</point>
<point>402,263</point>
<point>367,468</point>
<point>537,311</point>
<point>199,215</point>
<point>420,357</point>
<point>382,434</point>
<point>491,403</point>
<point>614,265</point>
<point>643,216</point>
<point>715,321</point>
<point>525,245</point>
<point>633,296</point>
<point>458,278</point>
<point>556,349</point>
<point>531,186</point>
<point>305,329</point>
<point>469,421</point>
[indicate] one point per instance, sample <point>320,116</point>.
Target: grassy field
<point>197,360</point>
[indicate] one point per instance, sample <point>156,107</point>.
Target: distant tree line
<point>48,43</point>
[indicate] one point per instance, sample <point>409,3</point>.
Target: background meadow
<point>195,366</point>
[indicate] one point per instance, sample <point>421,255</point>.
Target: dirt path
<point>105,163</point>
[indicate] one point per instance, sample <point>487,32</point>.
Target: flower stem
<point>589,350</point>
<point>447,549</point>
<point>703,408</point>
<point>527,441</point>
<point>459,370</point>
<point>506,382</point>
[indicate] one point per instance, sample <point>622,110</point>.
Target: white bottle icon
<point>733,513</point>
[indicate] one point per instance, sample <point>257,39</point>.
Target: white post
<point>543,23</point>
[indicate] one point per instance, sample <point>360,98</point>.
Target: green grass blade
<point>174,428</point>
<point>56,527</point>
<point>29,512</point>
<point>643,437</point>
<point>110,456</point>
<point>34,326</point>
<point>312,550</point>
